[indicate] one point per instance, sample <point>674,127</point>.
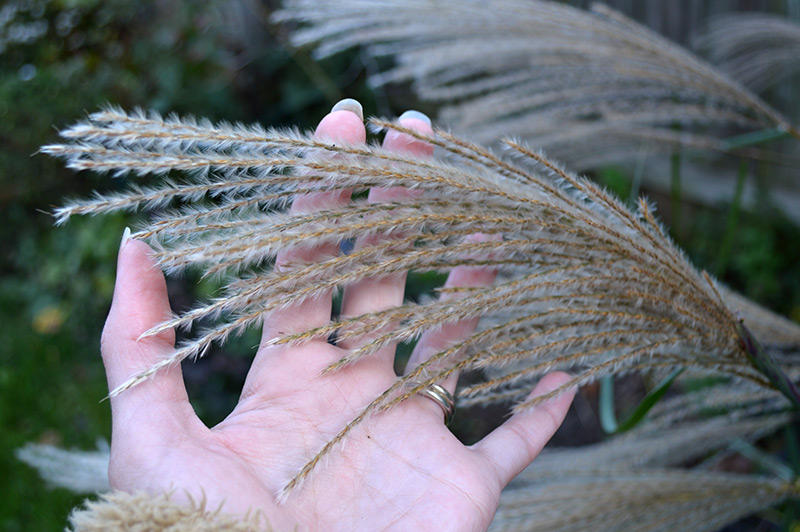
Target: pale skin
<point>398,470</point>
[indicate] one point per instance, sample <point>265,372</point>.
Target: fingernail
<point>349,104</point>
<point>126,235</point>
<point>416,115</point>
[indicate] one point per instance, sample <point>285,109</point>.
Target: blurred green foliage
<point>62,58</point>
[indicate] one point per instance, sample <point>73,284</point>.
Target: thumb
<point>512,446</point>
<point>140,303</point>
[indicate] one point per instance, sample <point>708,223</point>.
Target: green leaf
<point>607,417</point>
<point>755,137</point>
<point>733,220</point>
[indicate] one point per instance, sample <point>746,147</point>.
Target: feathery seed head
<point>590,87</point>
<point>586,284</point>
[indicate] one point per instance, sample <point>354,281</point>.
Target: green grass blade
<point>755,137</point>
<point>764,460</point>
<point>764,363</point>
<point>733,220</point>
<point>608,419</point>
<point>675,194</point>
<point>649,401</point>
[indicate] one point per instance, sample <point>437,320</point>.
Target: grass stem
<point>733,220</point>
<point>675,193</point>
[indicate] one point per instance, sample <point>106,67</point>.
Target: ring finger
<point>442,338</point>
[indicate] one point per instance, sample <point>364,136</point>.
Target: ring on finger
<point>439,395</point>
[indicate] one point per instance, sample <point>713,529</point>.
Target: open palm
<point>398,470</point>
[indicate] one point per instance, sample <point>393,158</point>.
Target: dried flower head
<point>586,285</point>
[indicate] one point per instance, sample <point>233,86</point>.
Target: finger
<point>383,292</point>
<point>512,446</point>
<point>343,124</point>
<point>449,334</point>
<point>140,303</point>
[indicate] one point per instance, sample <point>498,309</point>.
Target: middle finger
<point>375,294</point>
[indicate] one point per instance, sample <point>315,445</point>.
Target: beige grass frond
<point>623,484</point>
<point>756,49</point>
<point>77,471</point>
<point>648,446</point>
<point>588,87</point>
<point>634,499</point>
<point>584,283</point>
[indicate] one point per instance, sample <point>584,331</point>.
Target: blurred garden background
<point>60,59</point>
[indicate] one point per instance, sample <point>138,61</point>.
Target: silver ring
<point>439,395</point>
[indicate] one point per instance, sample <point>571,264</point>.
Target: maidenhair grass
<point>757,49</point>
<point>589,87</point>
<point>586,284</point>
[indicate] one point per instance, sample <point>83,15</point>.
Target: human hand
<point>400,470</point>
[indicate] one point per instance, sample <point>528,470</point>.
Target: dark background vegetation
<point>60,59</point>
